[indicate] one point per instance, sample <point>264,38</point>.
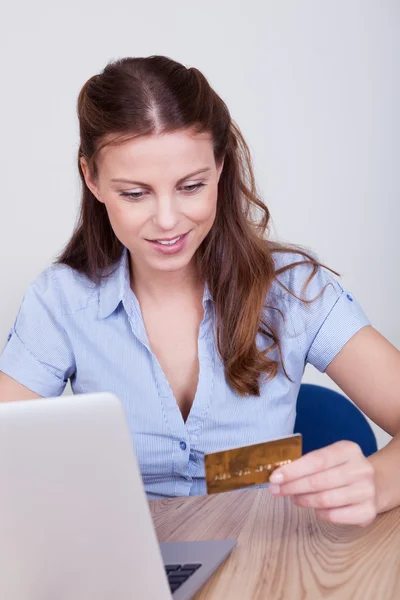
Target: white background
<point>313,84</point>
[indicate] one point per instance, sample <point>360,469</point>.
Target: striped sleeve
<point>38,353</point>
<point>326,323</point>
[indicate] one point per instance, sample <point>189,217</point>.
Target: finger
<point>359,514</point>
<point>339,497</point>
<point>316,461</point>
<point>336,477</point>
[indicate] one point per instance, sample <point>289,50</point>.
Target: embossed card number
<point>249,465</point>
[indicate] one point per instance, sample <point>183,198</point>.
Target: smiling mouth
<point>170,241</point>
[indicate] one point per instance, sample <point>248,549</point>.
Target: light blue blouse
<point>69,328</point>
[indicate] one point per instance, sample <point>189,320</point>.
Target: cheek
<point>125,217</point>
<point>203,210</point>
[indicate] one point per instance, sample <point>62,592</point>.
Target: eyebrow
<point>198,172</point>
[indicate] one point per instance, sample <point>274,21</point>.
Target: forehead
<point>169,154</point>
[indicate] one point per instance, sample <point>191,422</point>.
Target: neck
<point>159,285</point>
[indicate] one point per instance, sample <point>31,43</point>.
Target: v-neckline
<point>206,357</point>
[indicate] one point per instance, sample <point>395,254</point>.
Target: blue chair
<point>325,417</point>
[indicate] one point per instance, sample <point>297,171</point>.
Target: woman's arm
<point>367,369</point>
<point>11,390</point>
<point>338,481</point>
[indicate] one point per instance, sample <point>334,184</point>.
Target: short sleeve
<point>38,352</point>
<point>330,318</point>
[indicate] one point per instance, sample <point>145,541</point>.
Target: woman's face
<point>160,192</point>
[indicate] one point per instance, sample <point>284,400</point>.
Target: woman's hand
<point>337,481</point>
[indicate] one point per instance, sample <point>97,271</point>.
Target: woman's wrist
<point>386,463</point>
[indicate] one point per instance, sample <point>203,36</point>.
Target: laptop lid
<point>74,517</point>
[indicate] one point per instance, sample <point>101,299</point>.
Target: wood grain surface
<point>283,551</point>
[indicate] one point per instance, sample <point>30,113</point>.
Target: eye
<point>193,188</point>
<point>132,195</point>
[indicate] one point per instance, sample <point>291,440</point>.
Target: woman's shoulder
<point>299,273</point>
<point>63,287</point>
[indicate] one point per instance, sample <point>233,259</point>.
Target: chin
<point>171,264</point>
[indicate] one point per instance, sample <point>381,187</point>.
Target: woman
<point>169,296</point>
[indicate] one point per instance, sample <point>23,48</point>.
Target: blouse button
<point>182,445</point>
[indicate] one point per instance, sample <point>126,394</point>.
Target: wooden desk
<point>283,551</point>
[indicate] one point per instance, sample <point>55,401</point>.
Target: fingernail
<point>276,478</point>
<point>274,489</point>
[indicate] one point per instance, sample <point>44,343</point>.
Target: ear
<point>89,179</point>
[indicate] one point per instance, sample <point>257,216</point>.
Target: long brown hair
<point>140,96</point>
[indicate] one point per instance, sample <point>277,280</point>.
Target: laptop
<point>74,518</point>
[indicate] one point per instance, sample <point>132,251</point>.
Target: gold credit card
<point>249,465</point>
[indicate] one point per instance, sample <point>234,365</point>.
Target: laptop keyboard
<point>178,574</point>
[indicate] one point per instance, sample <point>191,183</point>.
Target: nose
<point>166,216</point>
